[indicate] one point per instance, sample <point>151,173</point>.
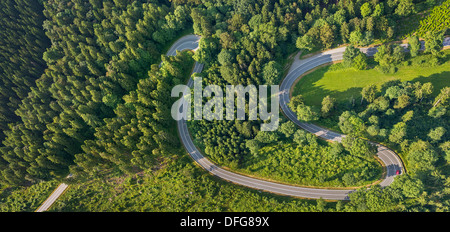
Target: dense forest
<point>247,51</point>
<point>83,91</point>
<point>100,50</point>
<point>21,47</point>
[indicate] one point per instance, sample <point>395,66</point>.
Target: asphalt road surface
<point>53,197</point>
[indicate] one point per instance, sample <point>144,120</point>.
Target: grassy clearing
<point>345,84</point>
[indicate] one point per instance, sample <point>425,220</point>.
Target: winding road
<point>391,161</point>
<point>191,42</point>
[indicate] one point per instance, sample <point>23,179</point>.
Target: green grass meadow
<point>345,84</point>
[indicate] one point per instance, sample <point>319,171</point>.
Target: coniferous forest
<point>101,53</point>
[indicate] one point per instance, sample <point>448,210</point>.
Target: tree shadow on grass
<point>314,94</point>
<point>438,80</point>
